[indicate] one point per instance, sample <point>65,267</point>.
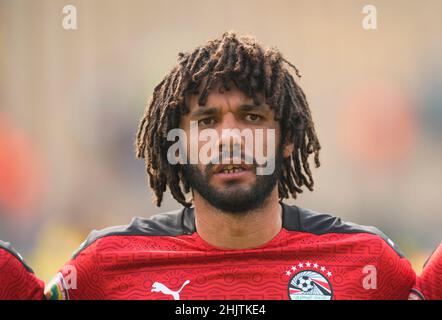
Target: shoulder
<point>8,250</point>
<point>84,270</point>
<point>306,220</point>
<point>172,223</point>
<point>430,280</point>
<point>17,280</point>
<point>396,276</point>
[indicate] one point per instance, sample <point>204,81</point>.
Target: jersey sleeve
<point>429,283</point>
<point>83,277</point>
<point>17,280</point>
<point>395,275</point>
<point>80,278</point>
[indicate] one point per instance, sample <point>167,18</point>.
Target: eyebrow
<point>251,107</point>
<point>204,111</point>
<point>209,111</point>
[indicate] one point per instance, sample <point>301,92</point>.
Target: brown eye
<point>206,122</point>
<point>253,117</point>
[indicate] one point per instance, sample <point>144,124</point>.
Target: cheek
<point>185,141</point>
<point>266,142</point>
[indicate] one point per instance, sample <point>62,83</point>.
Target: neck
<point>238,231</point>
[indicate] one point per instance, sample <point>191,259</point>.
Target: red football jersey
<point>429,283</point>
<point>17,280</point>
<point>314,256</point>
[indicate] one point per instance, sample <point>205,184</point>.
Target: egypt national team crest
<point>309,282</point>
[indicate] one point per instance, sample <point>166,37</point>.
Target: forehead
<point>232,98</point>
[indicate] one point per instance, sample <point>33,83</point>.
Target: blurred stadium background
<point>70,102</point>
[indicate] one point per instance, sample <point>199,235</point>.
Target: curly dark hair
<point>238,60</point>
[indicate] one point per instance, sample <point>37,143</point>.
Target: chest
<point>270,275</point>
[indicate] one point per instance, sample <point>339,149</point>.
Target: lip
<point>224,176</point>
<point>233,176</point>
<point>246,167</point>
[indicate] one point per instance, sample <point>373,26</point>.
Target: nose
<point>229,121</point>
<point>230,137</point>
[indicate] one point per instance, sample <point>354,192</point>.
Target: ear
<point>288,150</point>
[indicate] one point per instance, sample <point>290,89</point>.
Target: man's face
<point>239,189</point>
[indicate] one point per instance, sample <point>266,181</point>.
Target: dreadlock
<point>245,63</point>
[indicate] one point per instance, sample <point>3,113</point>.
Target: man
<point>17,280</point>
<point>234,238</point>
<point>429,283</point>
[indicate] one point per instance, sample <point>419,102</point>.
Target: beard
<point>233,198</point>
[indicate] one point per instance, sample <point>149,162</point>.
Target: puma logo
<point>159,287</point>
